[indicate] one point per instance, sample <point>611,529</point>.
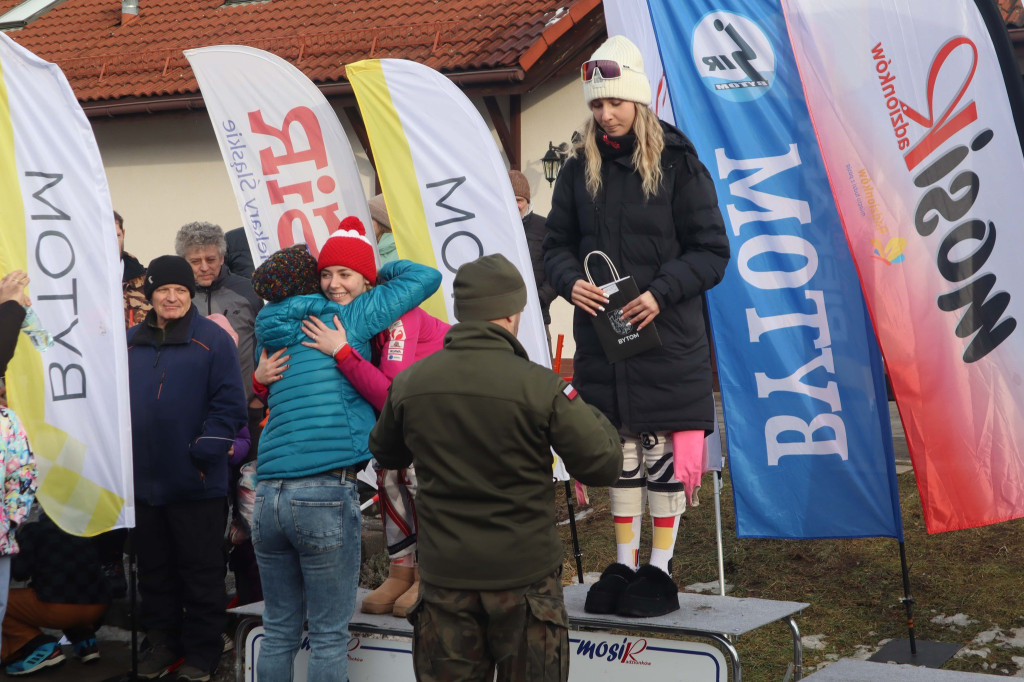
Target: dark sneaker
<point>229,642</point>
<point>43,656</point>
<point>158,661</point>
<point>653,593</point>
<point>86,650</point>
<point>603,596</point>
<point>190,673</point>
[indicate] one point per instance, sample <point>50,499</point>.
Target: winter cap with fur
<point>632,85</point>
<point>288,272</point>
<point>488,288</point>
<point>379,211</point>
<point>520,187</point>
<point>164,270</point>
<point>349,248</point>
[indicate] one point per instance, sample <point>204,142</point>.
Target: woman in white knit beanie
<point>634,189</point>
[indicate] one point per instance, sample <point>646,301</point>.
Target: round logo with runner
<point>733,56</point>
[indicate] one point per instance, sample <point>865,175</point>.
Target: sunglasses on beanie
<point>609,69</point>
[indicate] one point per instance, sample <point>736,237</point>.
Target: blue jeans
<point>306,534</point>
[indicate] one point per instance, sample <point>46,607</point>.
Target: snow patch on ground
<point>708,588</point>
<point>960,620</point>
<point>813,642</point>
<point>983,653</point>
<point>1016,639</point>
<point>591,578</point>
<point>986,637</point>
<point>862,652</point>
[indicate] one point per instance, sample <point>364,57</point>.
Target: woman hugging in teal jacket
<point>306,520</point>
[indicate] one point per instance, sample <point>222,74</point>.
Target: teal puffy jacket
<point>318,421</point>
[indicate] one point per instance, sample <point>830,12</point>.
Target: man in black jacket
<point>535,227</point>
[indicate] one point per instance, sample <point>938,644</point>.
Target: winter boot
<point>405,602</point>
<point>653,593</point>
<point>382,600</point>
<point>603,596</point>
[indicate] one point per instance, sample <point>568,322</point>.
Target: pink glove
<point>688,458</point>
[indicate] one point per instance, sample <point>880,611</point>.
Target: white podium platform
<point>711,617</point>
<point>699,615</point>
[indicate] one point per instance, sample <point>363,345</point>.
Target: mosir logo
<point>733,56</point>
<point>626,652</point>
<point>940,137</point>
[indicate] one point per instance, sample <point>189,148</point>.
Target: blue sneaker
<point>86,650</point>
<point>43,656</point>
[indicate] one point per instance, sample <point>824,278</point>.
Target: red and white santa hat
<point>349,248</point>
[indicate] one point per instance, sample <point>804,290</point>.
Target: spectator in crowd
<point>19,464</point>
<point>219,291</point>
<point>306,524</point>
<point>382,230</point>
<point>534,225</point>
<point>634,189</point>
<point>479,420</point>
<point>12,313</point>
<point>133,277</point>
<point>238,257</point>
<point>187,405</point>
<point>67,591</point>
<point>241,555</point>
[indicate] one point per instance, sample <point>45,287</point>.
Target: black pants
<point>180,549</point>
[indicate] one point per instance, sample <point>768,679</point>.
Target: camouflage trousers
<point>465,634</point>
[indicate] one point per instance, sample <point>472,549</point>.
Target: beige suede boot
<point>399,580</point>
<point>405,602</point>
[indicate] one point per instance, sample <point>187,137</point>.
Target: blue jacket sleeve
<point>401,286</point>
<point>227,413</point>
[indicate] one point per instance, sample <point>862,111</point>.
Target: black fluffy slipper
<point>603,596</point>
<point>652,593</point>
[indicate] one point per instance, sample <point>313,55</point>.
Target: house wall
<point>166,170</point>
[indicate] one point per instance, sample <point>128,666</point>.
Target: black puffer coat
<point>675,246</point>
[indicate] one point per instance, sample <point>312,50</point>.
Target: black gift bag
<point>619,339</point>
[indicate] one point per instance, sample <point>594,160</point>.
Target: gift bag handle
<point>611,266</point>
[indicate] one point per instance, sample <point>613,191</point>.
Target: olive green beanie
<point>488,288</point>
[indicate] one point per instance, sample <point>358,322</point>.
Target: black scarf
<point>615,147</point>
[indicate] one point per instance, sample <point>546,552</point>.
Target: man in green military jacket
<point>479,421</point>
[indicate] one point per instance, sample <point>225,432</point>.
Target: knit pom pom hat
<point>349,248</point>
<point>288,272</point>
<point>631,84</point>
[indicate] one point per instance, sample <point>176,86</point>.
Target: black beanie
<point>169,270</point>
<point>488,288</point>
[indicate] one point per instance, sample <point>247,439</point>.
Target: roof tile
<point>105,60</point>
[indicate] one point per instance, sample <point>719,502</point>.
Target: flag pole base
<point>929,654</point>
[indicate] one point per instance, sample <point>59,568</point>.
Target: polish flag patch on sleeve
<point>569,391</point>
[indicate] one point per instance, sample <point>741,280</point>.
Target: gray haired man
<point>220,291</point>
